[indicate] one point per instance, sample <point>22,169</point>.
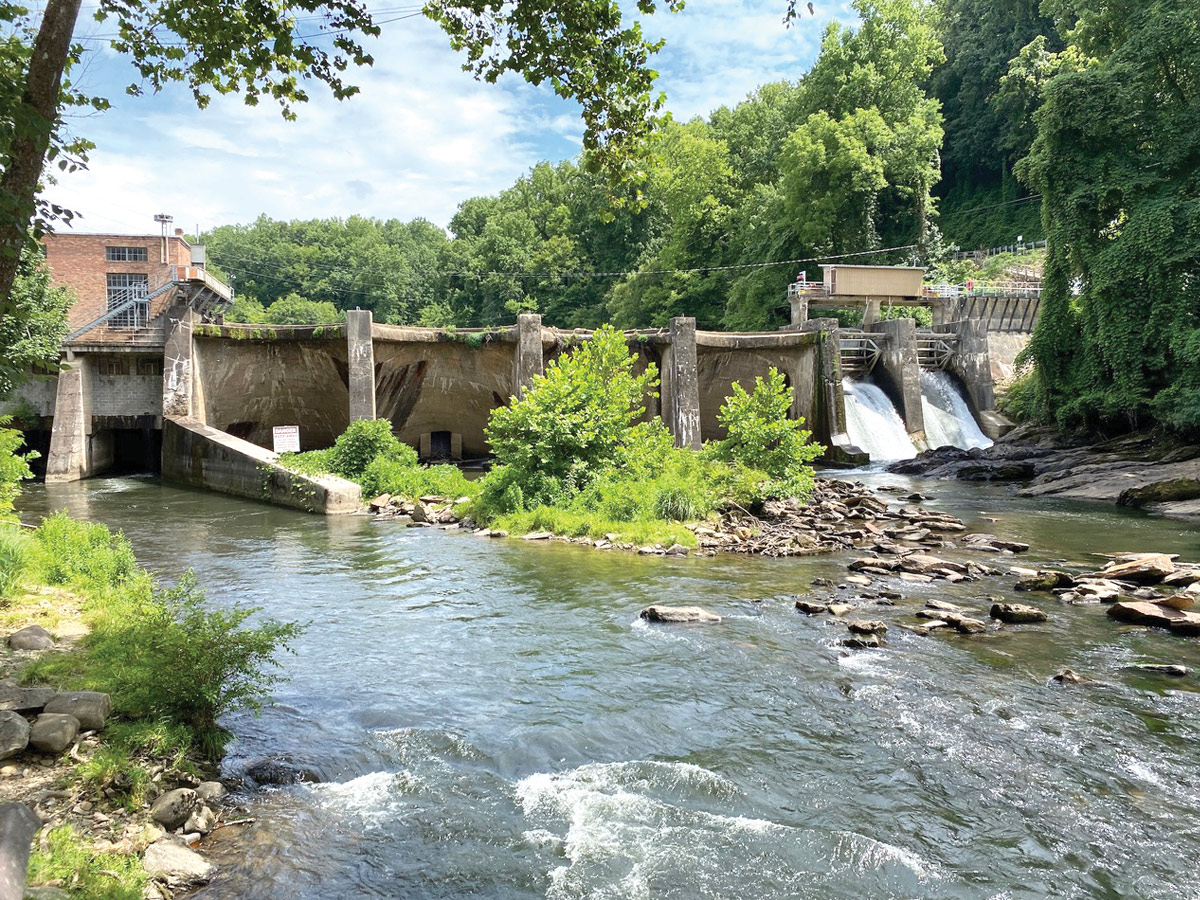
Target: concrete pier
<point>360,352</point>
<point>528,360</point>
<point>680,384</point>
<point>899,369</point>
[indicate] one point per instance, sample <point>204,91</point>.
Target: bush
<point>16,554</point>
<point>14,466</point>
<point>573,421</point>
<point>83,554</point>
<point>391,476</point>
<point>762,436</point>
<point>165,658</point>
<point>361,443</point>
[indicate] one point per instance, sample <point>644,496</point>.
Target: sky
<point>420,138</point>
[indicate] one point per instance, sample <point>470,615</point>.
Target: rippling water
<point>491,719</point>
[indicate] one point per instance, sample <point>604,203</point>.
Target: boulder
<point>172,861</point>
<point>174,808</point>
<point>679,614</point>
<point>537,536</point>
<point>1099,589</point>
<point>91,708</point>
<point>210,791</point>
<point>420,514</point>
<point>863,642</point>
<point>868,562</point>
<point>381,502</point>
<point>21,699</point>
<point>1140,612</point>
<point>866,626</point>
<point>1175,671</point>
<point>1017,613</point>
<point>53,732</point>
<point>677,550</point>
<point>14,733</point>
<point>1067,676</point>
<point>278,772</point>
<point>944,606</point>
<point>201,821</point>
<point>962,624</point>
<point>1182,578</point>
<point>32,637</point>
<point>859,580</point>
<point>1179,601</point>
<point>924,564</point>
<point>1046,580</point>
<point>1144,568</point>
<point>1188,626</point>
<point>990,540</point>
<point>812,607</point>
<point>839,609</point>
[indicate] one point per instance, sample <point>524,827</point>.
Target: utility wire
<point>635,273</point>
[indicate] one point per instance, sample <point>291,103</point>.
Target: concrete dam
<point>199,404</point>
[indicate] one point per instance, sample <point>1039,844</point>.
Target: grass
<point>16,555</point>
<point>576,524</point>
<point>65,859</point>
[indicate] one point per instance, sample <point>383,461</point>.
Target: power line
<point>635,273</point>
<point>1028,199</point>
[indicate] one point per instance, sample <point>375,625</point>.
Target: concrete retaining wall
<point>201,456</point>
<point>246,387</point>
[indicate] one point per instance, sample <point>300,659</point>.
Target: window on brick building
<point>149,366</point>
<point>123,288</point>
<point>112,365</point>
<point>125,254</point>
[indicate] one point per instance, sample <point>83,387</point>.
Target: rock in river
<point>173,808</point>
<point>1144,568</point>
<point>171,861</point>
<point>679,614</point>
<point>1017,613</point>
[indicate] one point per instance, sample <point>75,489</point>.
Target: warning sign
<point>287,438</point>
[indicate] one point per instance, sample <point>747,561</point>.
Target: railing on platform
<point>936,350</point>
<point>858,352</point>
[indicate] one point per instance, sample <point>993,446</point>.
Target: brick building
<point>103,408</point>
<point>135,277</point>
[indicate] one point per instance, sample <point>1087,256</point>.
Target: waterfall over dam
<point>875,425</point>
<point>948,418</point>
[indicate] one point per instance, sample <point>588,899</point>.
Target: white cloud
<point>421,137</point>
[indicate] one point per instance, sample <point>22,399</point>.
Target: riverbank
<point>1140,470</point>
<point>110,686</point>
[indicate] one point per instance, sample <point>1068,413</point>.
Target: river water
<point>491,719</point>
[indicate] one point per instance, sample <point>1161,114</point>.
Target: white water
<point>873,423</point>
<point>948,419</point>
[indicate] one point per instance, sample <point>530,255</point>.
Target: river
<point>491,719</point>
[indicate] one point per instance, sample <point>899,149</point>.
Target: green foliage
<point>762,436</point>
<point>1023,400</point>
<point>163,655</point>
<point>16,557</point>
<point>296,310</point>
<point>570,425</point>
<point>83,554</point>
<point>363,441</point>
<point>30,336</point>
<point>404,478</point>
<point>571,523</point>
<point>14,466</point>
<point>1115,160</point>
<point>67,858</point>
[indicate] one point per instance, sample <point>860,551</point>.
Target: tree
<point>581,47</point>
<point>32,336</point>
<point>1116,161</point>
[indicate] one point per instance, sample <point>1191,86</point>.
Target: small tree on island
<point>575,421</point>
